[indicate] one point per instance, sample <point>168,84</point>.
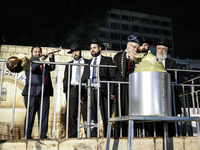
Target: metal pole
<point>174,109</point>
<point>108,86</point>
<point>108,135</point>
<point>79,103</point>
<point>130,134</point>
<point>192,93</point>
<point>41,104</point>
<point>2,73</point>
<point>197,100</point>
<point>55,104</point>
<point>166,137</point>
<point>198,131</point>
<point>119,106</point>
<point>88,108</point>
<point>68,90</point>
<point>28,103</point>
<point>98,101</point>
<point>14,101</point>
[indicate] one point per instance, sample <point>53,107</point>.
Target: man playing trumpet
<point>36,91</point>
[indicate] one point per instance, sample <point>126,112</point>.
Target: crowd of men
<point>125,64</point>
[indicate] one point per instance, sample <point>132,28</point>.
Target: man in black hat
<point>146,44</point>
<point>161,53</point>
<point>125,65</point>
<point>76,70</point>
<point>103,74</point>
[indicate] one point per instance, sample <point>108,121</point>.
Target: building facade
<point>121,23</point>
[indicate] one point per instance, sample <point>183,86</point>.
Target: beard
<point>144,50</point>
<point>96,54</point>
<point>161,56</point>
<point>77,57</point>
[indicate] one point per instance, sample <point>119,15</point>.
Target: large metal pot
<point>150,94</point>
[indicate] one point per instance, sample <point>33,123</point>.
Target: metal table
<point>163,119</point>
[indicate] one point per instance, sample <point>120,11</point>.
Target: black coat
<point>36,79</point>
<point>105,74</point>
<point>65,79</point>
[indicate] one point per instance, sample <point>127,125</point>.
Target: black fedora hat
<point>74,47</point>
<point>94,41</point>
<point>146,40</point>
<point>163,41</point>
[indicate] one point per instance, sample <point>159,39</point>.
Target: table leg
<point>130,134</point>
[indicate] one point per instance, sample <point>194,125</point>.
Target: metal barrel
<point>150,94</point>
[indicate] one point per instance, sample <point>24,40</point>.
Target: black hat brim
<point>73,50</point>
<point>160,43</point>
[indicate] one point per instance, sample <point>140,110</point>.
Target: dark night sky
<point>185,19</point>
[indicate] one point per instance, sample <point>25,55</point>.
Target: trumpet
<point>20,62</point>
<point>35,58</point>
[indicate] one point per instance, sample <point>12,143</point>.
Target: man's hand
<point>82,99</point>
<point>44,56</point>
<point>131,54</point>
<point>112,96</point>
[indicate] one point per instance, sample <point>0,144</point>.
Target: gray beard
<point>161,56</point>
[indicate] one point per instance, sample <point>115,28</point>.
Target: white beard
<point>161,56</point>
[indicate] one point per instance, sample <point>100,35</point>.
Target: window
<point>147,21</point>
<point>114,36</point>
<point>156,31</point>
<point>135,19</point>
<point>124,17</point>
<point>135,28</point>
<point>113,16</point>
<point>113,25</point>
<point>155,22</point>
<point>166,24</point>
<point>146,30</point>
<point>124,27</point>
<point>166,32</point>
<point>124,37</point>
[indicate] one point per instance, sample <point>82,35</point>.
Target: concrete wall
<point>180,143</point>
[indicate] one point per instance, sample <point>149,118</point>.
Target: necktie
<point>77,71</point>
<point>94,75</point>
<point>45,77</point>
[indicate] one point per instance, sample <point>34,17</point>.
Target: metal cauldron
<point>150,94</point>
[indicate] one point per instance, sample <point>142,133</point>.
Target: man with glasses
<point>125,65</point>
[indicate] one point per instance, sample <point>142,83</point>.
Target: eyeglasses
<point>164,49</point>
<point>134,46</point>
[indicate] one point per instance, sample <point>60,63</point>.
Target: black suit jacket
<point>121,69</point>
<point>65,79</point>
<point>36,79</point>
<point>105,74</point>
<point>170,63</point>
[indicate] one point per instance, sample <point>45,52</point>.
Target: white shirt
<point>92,62</point>
<point>163,62</point>
<point>73,78</point>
